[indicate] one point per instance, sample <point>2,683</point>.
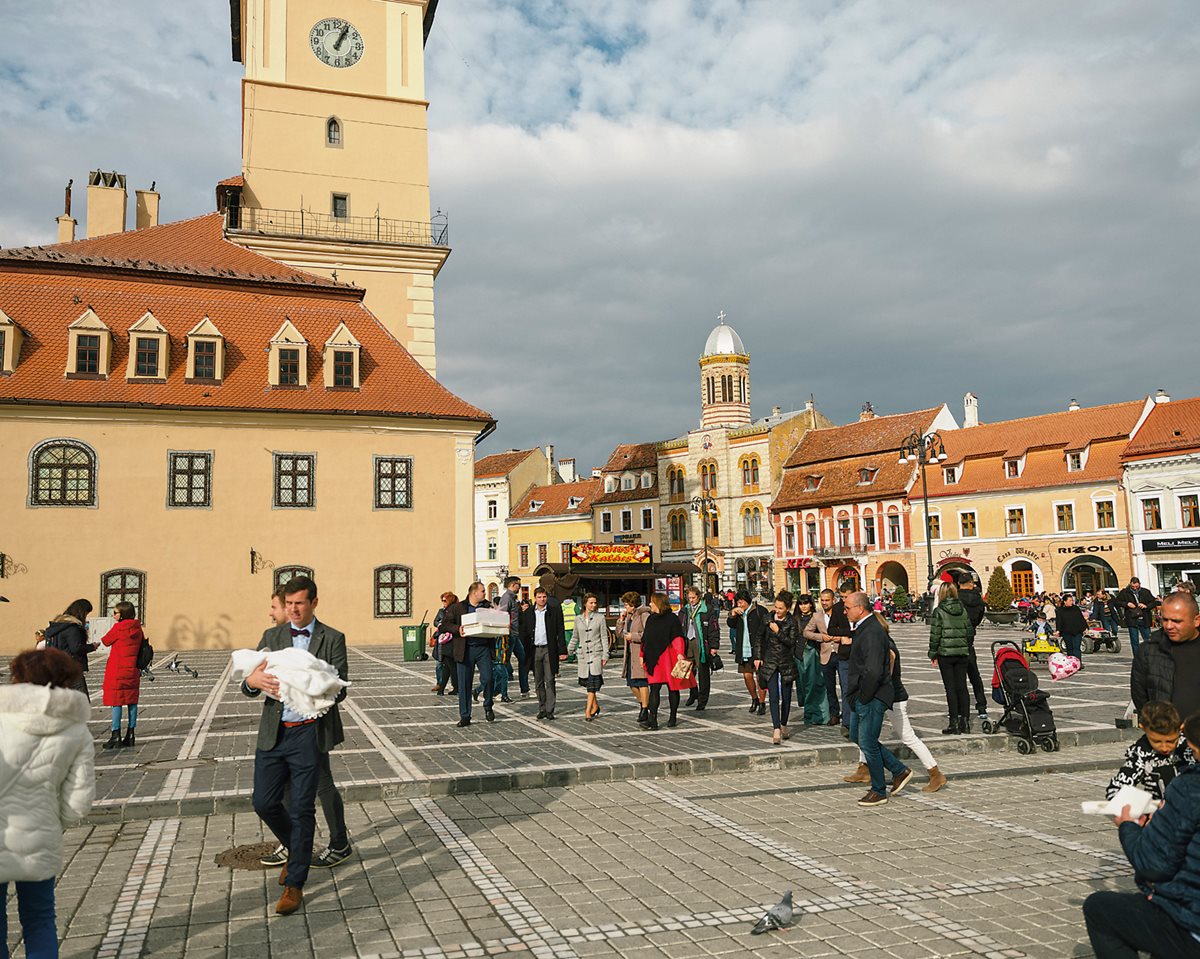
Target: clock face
<point>336,42</point>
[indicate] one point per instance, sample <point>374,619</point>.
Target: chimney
<point>566,469</point>
<point>776,410</point>
<point>550,465</point>
<point>1162,397</point>
<point>146,206</point>
<point>66,222</point>
<point>868,412</point>
<point>106,203</point>
<point>1073,406</point>
<point>970,410</point>
<point>596,472</point>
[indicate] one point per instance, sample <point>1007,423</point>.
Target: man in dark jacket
<point>1167,666</point>
<point>1136,604</point>
<point>871,694</point>
<point>1164,918</point>
<point>509,601</point>
<point>972,602</point>
<point>471,653</point>
<point>701,626</point>
<point>545,642</point>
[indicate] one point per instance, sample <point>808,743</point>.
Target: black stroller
<point>1027,713</point>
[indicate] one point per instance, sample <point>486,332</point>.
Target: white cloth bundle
<point>307,685</point>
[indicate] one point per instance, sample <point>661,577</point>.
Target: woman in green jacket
<point>949,650</point>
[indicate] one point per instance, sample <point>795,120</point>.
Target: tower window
<point>341,206</point>
<point>333,132</point>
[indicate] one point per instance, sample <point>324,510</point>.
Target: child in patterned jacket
<point>1155,759</point>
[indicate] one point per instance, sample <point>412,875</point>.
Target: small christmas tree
<point>900,598</point>
<point>999,592</point>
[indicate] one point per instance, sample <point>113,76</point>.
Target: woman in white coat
<point>589,643</point>
<point>46,776</point>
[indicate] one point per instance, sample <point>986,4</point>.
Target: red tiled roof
<point>238,180</point>
<point>637,457</point>
<point>840,482</point>
<point>877,435</point>
<point>195,247</point>
<point>1170,429</point>
<point>555,499</point>
<point>1043,440</point>
<point>501,464</point>
<point>44,298</point>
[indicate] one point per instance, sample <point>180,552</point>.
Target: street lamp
<point>924,450</point>
<point>702,506</point>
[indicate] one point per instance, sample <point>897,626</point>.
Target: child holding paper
<point>1158,757</point>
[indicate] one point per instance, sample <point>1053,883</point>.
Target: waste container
<point>414,641</point>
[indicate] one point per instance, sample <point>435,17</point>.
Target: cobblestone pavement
<point>196,736</point>
<point>991,866</point>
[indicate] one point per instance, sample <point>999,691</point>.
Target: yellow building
<point>1040,497</point>
<point>545,521</point>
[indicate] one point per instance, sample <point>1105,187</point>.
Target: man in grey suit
<point>289,747</point>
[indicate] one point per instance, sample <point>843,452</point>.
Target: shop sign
<point>1080,550</point>
<point>625,554</point>
<point>1159,544</point>
<point>951,558</point>
<point>802,563</point>
<point>1019,551</point>
<point>627,537</point>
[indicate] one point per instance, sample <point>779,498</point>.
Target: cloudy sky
<point>894,203</point>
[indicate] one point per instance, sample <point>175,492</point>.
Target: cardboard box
<point>485,622</point>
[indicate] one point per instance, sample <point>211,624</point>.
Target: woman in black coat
<point>1071,626</point>
<point>68,633</point>
<point>777,668</point>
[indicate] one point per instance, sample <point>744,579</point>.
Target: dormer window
<point>289,357</point>
<point>341,360</point>
<point>610,484</point>
<point>811,483</point>
<point>1074,462</point>
<point>206,353</point>
<point>647,480</point>
<point>626,482</point>
<point>149,350</point>
<point>535,505</point>
<point>950,475</point>
<point>866,476</point>
<point>1012,468</point>
<point>89,348</point>
<point>574,502</point>
<point>10,344</point>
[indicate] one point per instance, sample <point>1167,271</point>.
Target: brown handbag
<point>682,669</point>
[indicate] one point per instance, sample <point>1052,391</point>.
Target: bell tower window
<point>340,206</point>
<point>333,132</point>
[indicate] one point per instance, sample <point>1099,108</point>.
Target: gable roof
<point>1170,429</point>
<point>877,435</point>
<point>501,464</point>
<point>631,457</point>
<point>556,500</point>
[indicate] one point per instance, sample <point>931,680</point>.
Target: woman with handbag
<point>664,659</point>
<point>777,668</point>
<point>122,678</point>
<point>630,625</point>
<point>440,643</point>
<point>47,755</point>
<point>589,643</point>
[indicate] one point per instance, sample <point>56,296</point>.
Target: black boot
<point>952,728</point>
<point>652,723</point>
<point>128,742</point>
<point>114,741</point>
<point>643,717</point>
<point>964,724</point>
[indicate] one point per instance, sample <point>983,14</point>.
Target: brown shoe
<point>283,876</point>
<point>936,781</point>
<point>873,798</point>
<point>861,775</point>
<point>289,902</point>
<point>785,732</point>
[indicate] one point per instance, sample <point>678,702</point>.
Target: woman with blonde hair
<point>664,647</point>
<point>949,651</point>
<point>589,643</point>
<point>630,626</point>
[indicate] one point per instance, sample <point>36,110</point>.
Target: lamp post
<point>924,450</point>
<point>703,507</point>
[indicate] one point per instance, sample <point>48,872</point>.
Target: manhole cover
<point>180,763</point>
<point>245,857</point>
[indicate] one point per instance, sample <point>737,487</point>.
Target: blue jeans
<point>35,906</point>
<point>499,681</point>
<point>295,762</point>
<point>1110,623</point>
<point>837,670</point>
<point>1136,634</point>
<point>445,669</point>
<point>524,662</point>
<point>476,657</point>
<point>116,717</point>
<point>1074,646</point>
<point>864,730</point>
<point>780,694</point>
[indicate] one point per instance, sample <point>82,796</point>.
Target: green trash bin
<point>414,641</point>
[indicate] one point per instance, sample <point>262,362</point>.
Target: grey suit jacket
<point>327,644</point>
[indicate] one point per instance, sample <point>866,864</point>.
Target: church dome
<point>723,340</point>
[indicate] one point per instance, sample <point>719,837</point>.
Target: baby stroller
<point>1027,713</point>
<point>1098,636</point>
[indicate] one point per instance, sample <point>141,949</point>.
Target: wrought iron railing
<point>833,552</point>
<point>305,223</point>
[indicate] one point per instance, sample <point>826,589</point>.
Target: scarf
<point>661,629</point>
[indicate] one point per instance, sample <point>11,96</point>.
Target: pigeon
<point>779,916</point>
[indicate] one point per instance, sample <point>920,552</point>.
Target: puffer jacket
<point>122,678</point>
<point>949,630</point>
<point>779,649</point>
<point>67,633</point>
<point>1165,853</point>
<point>46,776</point>
<point>1153,675</point>
<point>589,643</point>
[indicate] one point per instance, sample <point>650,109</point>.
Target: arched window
<point>712,389</point>
<point>712,524</point>
<point>284,574</point>
<point>62,473</point>
<point>708,478</point>
<point>753,470</point>
<point>789,535</point>
<point>333,132</point>
<point>123,586</point>
<point>393,592</point>
<point>678,530</point>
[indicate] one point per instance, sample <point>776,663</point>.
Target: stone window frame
<point>1143,503</point>
<point>208,478</point>
<point>377,463</point>
<point>1058,505</point>
<point>342,344</point>
<point>627,513</point>
<point>1184,509</point>
<point>1111,503</point>
<point>335,140</point>
<point>288,339</point>
<point>523,556</point>
<point>110,596</point>
<point>493,548</point>
<point>677,522</point>
<point>1019,508</point>
<point>277,476</point>
<point>92,468</point>
<point>380,585</point>
<point>493,509</point>
<point>647,511</point>
<point>205,332</point>
<point>606,521</point>
<point>962,525</point>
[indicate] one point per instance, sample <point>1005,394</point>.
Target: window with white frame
<point>1152,513</point>
<point>893,529</point>
<point>627,482</point>
<point>493,509</point>
<point>493,548</point>
<point>1064,517</point>
<point>950,475</point>
<point>647,518</point>
<point>1106,514</point>
<point>606,522</point>
<point>626,520</point>
<point>789,536</point>
<point>1012,468</point>
<point>1074,462</point>
<point>968,524</point>
<point>1189,511</point>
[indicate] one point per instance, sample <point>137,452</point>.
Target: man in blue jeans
<point>471,654</point>
<point>1136,604</point>
<point>509,602</point>
<point>871,693</point>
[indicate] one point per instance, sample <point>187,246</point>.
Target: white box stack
<point>485,622</point>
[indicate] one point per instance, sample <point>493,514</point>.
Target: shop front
<point>611,569</point>
<point>1165,561</point>
<point>803,576</point>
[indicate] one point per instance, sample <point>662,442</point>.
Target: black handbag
<point>714,664</point>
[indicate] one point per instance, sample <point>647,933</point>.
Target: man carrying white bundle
<point>291,747</point>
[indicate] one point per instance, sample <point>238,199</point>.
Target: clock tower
<point>335,156</point>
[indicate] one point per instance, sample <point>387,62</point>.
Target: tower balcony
<point>304,224</point>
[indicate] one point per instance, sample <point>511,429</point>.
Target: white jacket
<point>307,685</point>
<point>46,776</point>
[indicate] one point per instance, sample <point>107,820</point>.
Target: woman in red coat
<point>663,645</point>
<point>122,678</point>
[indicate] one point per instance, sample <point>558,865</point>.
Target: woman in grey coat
<point>589,643</point>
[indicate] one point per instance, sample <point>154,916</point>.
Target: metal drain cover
<point>180,763</point>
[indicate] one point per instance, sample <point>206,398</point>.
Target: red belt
<point>305,722</point>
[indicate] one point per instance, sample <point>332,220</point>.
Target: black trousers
<point>331,802</point>
<point>954,678</point>
<point>295,762</point>
<point>976,682</point>
<point>672,700</point>
<point>703,685</point>
<point>1122,924</point>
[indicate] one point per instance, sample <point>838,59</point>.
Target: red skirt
<point>661,673</point>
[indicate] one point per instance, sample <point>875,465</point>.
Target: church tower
<point>724,379</point>
<point>335,156</point>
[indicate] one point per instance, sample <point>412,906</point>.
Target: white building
<point>500,479</point>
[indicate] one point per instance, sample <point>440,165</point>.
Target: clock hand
<point>341,37</point>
